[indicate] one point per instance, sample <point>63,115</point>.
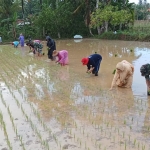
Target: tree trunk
<point>59,35</point>
<point>43,32</point>
<point>14,32</point>
<point>58,29</point>
<point>120,26</point>
<point>106,26</point>
<point>90,32</point>
<point>22,3</point>
<point>98,28</point>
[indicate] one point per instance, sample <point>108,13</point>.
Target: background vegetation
<point>65,18</point>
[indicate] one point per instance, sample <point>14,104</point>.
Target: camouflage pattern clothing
<point>145,71</point>
<point>38,47</point>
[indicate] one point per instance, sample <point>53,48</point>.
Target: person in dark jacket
<point>145,71</point>
<point>51,47</point>
<point>93,63</point>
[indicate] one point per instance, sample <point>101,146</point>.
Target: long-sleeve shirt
<point>16,43</point>
<point>94,61</point>
<point>123,78</point>
<point>51,44</point>
<point>63,57</point>
<point>21,38</point>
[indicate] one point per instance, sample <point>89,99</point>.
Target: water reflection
<point>39,91</point>
<point>81,96</point>
<point>65,96</point>
<point>63,73</point>
<point>78,40</point>
<point>139,85</point>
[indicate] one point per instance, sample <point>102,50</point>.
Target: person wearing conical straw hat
<point>93,63</point>
<point>145,71</point>
<point>61,57</point>
<point>123,75</point>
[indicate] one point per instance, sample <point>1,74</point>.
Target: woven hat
<point>55,53</point>
<point>85,61</point>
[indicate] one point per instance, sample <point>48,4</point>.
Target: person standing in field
<point>21,39</point>
<point>123,75</point>
<point>93,63</point>
<point>51,47</point>
<point>61,57</point>
<point>145,71</point>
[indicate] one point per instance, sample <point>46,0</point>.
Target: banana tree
<point>12,24</point>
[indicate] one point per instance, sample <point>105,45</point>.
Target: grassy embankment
<point>139,32</point>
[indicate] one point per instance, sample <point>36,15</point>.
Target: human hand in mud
<point>112,88</point>
<point>88,71</point>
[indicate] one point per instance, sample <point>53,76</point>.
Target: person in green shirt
<point>145,71</point>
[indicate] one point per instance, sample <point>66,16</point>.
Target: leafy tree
<point>61,21</point>
<point>8,17</point>
<point>111,14</point>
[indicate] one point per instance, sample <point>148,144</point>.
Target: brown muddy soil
<point>46,106</point>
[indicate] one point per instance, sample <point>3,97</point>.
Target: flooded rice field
<point>44,106</point>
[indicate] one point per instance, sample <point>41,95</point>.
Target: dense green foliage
<point>65,18</point>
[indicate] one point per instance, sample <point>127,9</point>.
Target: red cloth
<point>85,61</point>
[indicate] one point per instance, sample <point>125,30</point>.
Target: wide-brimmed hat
<point>85,61</point>
<point>55,53</point>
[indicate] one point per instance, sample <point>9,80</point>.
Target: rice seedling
<point>5,131</point>
<point>22,144</point>
<point>97,117</point>
<point>134,142</point>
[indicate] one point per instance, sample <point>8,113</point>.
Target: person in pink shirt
<point>61,57</point>
<point>36,41</point>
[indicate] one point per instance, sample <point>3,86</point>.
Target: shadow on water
<point>45,105</point>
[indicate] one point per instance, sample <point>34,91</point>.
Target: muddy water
<point>46,106</point>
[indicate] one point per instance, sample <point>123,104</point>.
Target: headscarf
<point>120,66</point>
<point>126,70</point>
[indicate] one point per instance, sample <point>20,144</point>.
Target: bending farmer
<point>145,71</point>
<point>15,43</point>
<point>93,63</point>
<point>61,57</point>
<point>124,75</point>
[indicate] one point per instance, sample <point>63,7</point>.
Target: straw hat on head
<point>55,53</point>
